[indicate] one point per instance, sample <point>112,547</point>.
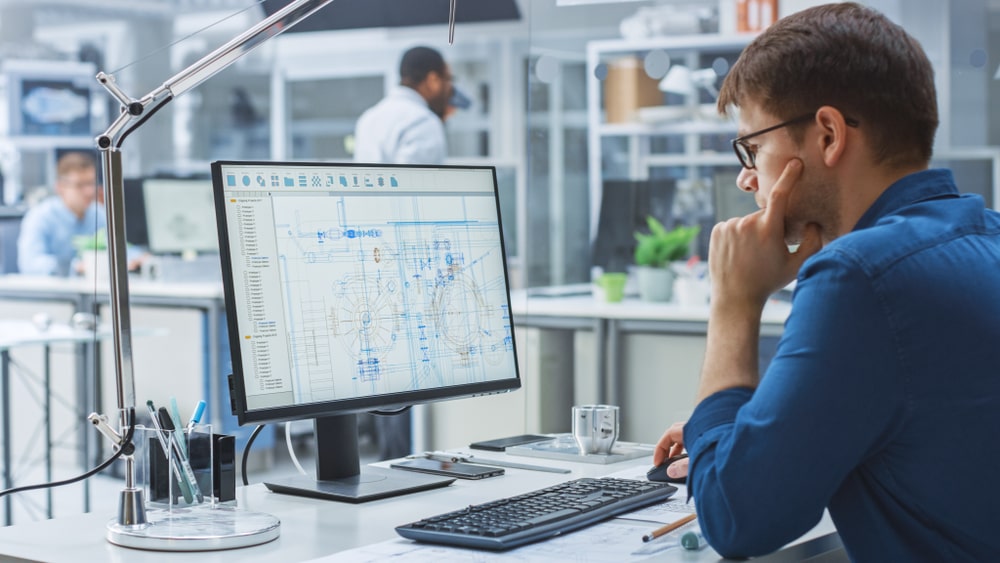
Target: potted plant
<point>654,253</point>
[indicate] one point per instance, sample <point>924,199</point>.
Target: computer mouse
<point>659,473</point>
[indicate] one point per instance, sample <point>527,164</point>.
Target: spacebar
<point>552,516</point>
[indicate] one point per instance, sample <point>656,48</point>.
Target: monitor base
<point>372,484</point>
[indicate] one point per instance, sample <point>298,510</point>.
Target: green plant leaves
<point>660,247</point>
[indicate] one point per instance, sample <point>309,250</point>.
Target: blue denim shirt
<point>45,244</point>
<point>882,402</point>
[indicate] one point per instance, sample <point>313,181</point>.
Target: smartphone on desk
<point>448,468</point>
<point>501,444</point>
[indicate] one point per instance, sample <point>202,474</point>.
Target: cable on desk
<point>126,444</point>
<point>246,452</point>
<point>291,450</point>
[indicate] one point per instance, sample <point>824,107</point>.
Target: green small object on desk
<point>693,540</point>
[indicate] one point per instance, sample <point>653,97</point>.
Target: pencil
<point>668,528</point>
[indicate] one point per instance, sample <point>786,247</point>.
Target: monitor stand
<point>339,474</point>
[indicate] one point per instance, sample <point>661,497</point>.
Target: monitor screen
<point>135,213</point>
<point>180,215</point>
<point>352,288</point>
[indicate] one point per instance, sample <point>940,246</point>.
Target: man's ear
<point>832,139</point>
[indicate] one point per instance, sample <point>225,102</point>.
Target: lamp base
<point>197,529</point>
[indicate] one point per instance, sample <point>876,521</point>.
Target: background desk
<point>191,369</point>
<point>645,357</point>
<point>20,419</point>
<point>315,528</point>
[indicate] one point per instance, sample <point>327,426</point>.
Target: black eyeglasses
<point>747,152</point>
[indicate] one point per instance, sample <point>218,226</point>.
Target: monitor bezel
<point>237,389</point>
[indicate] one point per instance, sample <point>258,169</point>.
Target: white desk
<point>313,528</point>
<point>646,356</point>
<point>206,297</point>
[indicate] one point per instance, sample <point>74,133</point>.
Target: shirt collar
<point>410,94</point>
<point>910,189</point>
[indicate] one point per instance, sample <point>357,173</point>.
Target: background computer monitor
<point>353,288</point>
<point>625,206</point>
<point>179,215</point>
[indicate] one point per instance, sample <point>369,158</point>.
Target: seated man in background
<point>45,245</point>
<point>882,403</point>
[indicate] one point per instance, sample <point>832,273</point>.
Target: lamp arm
<point>134,113</point>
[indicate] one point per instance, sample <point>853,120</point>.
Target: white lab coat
<point>400,129</point>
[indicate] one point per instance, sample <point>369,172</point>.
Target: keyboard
<point>514,521</point>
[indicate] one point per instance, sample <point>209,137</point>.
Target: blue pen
<point>199,410</point>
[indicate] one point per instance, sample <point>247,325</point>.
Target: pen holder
<point>181,469</point>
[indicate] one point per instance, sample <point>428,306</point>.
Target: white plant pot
<point>655,284</point>
<point>96,266</point>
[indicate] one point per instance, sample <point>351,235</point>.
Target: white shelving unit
<point>684,50</point>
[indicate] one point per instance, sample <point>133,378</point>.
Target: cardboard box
<point>628,88</point>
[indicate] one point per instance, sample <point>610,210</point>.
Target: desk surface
<point>16,283</point>
<point>552,304</point>
<point>14,333</point>
<point>313,528</point>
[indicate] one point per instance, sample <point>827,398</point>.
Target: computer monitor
<point>180,215</point>
<point>625,206</point>
<point>135,213</point>
<point>357,287</point>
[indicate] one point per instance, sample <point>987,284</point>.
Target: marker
<point>199,410</point>
<point>693,541</point>
<point>175,418</point>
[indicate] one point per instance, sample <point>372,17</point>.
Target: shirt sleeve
<point>827,400</point>
<point>33,256</point>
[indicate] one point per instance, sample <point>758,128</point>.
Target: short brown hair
<point>74,162</point>
<point>417,63</point>
<point>846,56</point>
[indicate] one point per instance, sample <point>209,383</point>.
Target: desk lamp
<point>193,529</point>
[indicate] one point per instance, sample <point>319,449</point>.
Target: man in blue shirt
<point>882,403</point>
<point>45,244</point>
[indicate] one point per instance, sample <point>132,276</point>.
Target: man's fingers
<point>778,200</point>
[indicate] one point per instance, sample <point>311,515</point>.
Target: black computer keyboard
<point>510,522</point>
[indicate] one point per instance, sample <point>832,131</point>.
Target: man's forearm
<point>731,351</point>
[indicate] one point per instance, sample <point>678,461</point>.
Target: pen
<point>182,458</point>
<point>668,528</point>
<point>188,497</point>
<point>199,410</point>
<point>446,456</point>
<point>693,540</point>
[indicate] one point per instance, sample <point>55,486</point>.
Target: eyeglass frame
<point>751,150</point>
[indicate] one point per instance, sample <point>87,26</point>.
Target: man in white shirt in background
<point>407,127</point>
